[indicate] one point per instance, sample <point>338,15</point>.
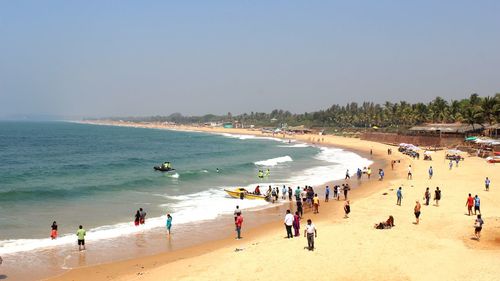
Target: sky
<point>139,58</point>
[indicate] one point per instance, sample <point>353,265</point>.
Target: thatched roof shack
<point>493,130</point>
<point>299,130</point>
<point>455,129</point>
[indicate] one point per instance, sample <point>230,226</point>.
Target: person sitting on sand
<point>385,225</point>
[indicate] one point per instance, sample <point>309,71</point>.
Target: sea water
<point>98,176</point>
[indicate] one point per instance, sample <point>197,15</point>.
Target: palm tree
<point>488,108</point>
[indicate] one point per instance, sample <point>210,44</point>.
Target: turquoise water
<point>99,176</point>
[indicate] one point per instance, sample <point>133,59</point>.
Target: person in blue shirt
<point>327,193</point>
<point>431,172</point>
<point>477,205</point>
<point>399,193</point>
<point>169,223</point>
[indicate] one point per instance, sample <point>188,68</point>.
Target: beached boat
<point>241,193</point>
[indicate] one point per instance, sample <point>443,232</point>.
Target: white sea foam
<point>248,137</point>
<point>341,160</point>
<point>297,145</point>
<point>274,161</point>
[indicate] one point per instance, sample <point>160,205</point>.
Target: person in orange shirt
<point>469,204</point>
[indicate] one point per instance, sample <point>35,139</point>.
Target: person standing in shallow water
<point>169,223</point>
<point>137,219</point>
<point>53,232</point>
<point>80,233</point>
<point>143,216</point>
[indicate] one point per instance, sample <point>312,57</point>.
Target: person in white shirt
<point>288,224</point>
<point>311,233</point>
<point>409,172</point>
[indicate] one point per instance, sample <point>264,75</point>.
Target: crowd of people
<point>307,197</point>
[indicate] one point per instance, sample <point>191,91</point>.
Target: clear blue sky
<point>102,58</point>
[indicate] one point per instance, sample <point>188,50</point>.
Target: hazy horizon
<point>127,58</point>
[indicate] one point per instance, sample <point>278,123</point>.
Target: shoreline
<point>124,267</point>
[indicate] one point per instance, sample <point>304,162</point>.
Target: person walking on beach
<point>477,205</point>
<point>53,231</point>
<point>143,216</point>
<point>347,176</point>
<point>327,193</point>
<point>347,209</point>
<point>380,174</point>
<point>431,172</point>
<point>487,184</point>
<point>297,193</point>
<point>399,194</point>
<point>288,224</point>
<point>169,223</point>
<point>335,192</point>
<point>346,190</point>
<point>451,164</point>
<point>417,211</point>
<point>478,226</point>
<point>237,212</point>
<point>238,223</point>
<point>299,208</point>
<point>296,224</point>
<point>290,191</point>
<point>410,175</point>
<point>469,203</point>
<point>80,233</point>
<point>316,203</point>
<point>137,219</point>
<point>283,192</point>
<point>311,233</point>
<point>369,172</point>
<point>437,195</point>
<point>427,196</point>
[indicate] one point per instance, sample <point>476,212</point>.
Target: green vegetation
<point>387,116</point>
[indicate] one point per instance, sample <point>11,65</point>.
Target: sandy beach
<point>351,249</point>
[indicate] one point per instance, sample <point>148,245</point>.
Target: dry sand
<point>439,248</point>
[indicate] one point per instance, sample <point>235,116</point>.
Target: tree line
<point>472,110</point>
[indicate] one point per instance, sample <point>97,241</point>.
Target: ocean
<point>98,176</point>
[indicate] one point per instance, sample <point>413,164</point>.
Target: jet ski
<point>163,169</point>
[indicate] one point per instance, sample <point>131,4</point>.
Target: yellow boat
<point>241,193</point>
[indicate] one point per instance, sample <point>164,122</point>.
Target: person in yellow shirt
<point>369,172</point>
<point>316,203</point>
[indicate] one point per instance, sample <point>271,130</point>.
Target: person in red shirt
<point>238,223</point>
<point>470,203</point>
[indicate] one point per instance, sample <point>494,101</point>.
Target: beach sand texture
<point>441,247</point>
